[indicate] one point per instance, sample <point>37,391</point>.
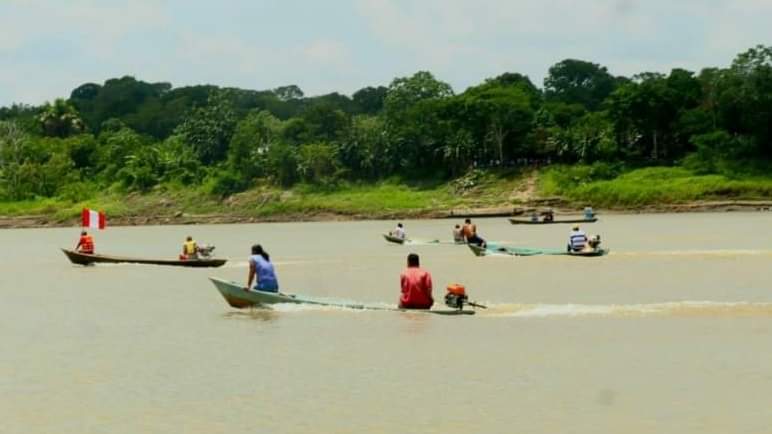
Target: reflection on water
<point>252,314</point>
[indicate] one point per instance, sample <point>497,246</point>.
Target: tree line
<point>133,135</point>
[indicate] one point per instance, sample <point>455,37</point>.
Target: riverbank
<point>478,194</point>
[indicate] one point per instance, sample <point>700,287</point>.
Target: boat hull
<point>236,296</point>
<point>517,251</point>
<point>393,239</point>
<point>515,221</point>
<point>87,259</point>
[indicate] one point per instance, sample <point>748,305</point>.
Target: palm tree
<point>60,119</point>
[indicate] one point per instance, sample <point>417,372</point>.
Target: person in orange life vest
<point>416,286</point>
<point>85,243</point>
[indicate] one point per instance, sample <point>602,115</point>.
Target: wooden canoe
<point>393,239</point>
<point>236,296</point>
<point>417,241</point>
<point>87,259</point>
<point>515,221</point>
<point>523,251</point>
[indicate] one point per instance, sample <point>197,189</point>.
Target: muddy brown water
<point>669,333</point>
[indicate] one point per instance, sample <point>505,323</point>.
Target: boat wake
<point>670,309</point>
<point>680,309</point>
<point>711,253</point>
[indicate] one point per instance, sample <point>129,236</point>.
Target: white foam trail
<point>300,308</point>
<point>244,264</point>
<point>669,309</point>
<point>719,252</point>
<point>679,309</point>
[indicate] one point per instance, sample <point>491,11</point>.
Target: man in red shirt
<point>416,286</point>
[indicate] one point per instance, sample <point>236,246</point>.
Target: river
<point>670,333</point>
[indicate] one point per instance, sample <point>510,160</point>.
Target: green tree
<point>496,115</point>
<point>281,164</point>
<point>579,82</point>
<point>208,130</point>
<point>253,137</point>
<point>370,100</point>
<point>286,93</point>
<point>317,163</point>
<point>60,119</point>
<point>406,92</point>
<point>13,155</point>
<point>367,151</point>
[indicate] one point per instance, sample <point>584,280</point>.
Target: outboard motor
<point>594,242</point>
<point>456,297</point>
<point>205,250</point>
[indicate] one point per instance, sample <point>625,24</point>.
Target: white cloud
<point>326,52</point>
<point>48,48</point>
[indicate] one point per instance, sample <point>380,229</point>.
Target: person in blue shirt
<point>260,266</point>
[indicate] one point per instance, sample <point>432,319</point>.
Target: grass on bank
<point>599,185</point>
<point>609,187</point>
<point>380,199</point>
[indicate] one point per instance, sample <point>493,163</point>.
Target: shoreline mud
<point>181,218</point>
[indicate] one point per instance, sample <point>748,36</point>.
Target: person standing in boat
<point>189,249</point>
<point>549,216</point>
<point>470,233</point>
<point>85,243</point>
<point>577,240</point>
<point>589,214</point>
<point>416,284</point>
<point>399,232</point>
<point>260,266</point>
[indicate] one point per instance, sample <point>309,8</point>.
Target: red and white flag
<point>93,219</point>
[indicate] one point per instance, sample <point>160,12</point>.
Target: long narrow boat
<point>516,221</point>
<point>397,240</point>
<point>88,259</point>
<point>523,251</point>
<point>236,296</point>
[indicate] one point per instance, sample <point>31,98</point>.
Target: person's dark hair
<point>458,226</point>
<point>83,233</point>
<point>468,221</point>
<point>257,249</point>
<point>412,260</point>
<point>399,225</point>
<point>189,238</point>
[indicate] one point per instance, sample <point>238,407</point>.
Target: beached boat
<point>88,259</point>
<point>523,221</point>
<point>523,251</point>
<point>236,296</point>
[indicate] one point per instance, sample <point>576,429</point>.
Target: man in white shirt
<point>399,232</point>
<point>577,240</point>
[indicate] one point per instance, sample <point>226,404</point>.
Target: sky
<point>47,48</point>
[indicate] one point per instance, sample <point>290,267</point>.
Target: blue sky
<point>47,48</point>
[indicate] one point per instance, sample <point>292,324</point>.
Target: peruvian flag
<point>92,219</point>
